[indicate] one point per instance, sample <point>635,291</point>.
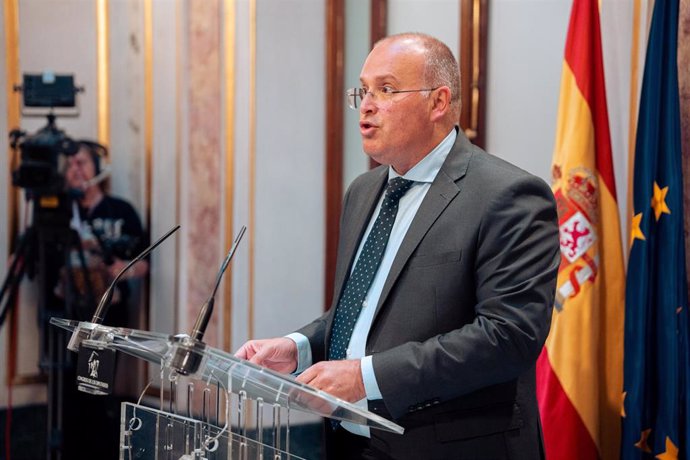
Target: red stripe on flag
<point>584,56</point>
<point>565,434</point>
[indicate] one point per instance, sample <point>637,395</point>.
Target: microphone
<point>78,193</point>
<point>189,349</point>
<point>103,175</point>
<point>207,309</point>
<point>82,333</point>
<point>108,294</point>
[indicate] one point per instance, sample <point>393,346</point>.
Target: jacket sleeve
<point>515,267</point>
<point>315,332</point>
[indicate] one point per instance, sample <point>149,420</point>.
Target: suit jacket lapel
<point>445,187</point>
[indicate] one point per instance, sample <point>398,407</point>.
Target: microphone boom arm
<point>107,297</point>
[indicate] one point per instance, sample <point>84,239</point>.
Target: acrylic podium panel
<point>149,434</point>
<point>230,373</point>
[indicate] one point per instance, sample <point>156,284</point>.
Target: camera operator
<point>77,239</point>
<point>110,232</point>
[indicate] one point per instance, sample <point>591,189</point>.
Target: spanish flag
<point>656,417</point>
<point>580,370</point>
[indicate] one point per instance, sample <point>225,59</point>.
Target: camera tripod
<point>42,249</point>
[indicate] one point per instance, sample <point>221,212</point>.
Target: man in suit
<point>445,278</point>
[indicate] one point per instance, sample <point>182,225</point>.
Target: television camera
<point>40,167</point>
<point>47,240</point>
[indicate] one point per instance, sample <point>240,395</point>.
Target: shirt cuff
<point>370,385</point>
<point>303,351</point>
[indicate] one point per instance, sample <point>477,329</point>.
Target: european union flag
<point>655,405</point>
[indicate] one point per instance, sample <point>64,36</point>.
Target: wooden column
<point>473,44</point>
<point>335,95</point>
<point>378,29</point>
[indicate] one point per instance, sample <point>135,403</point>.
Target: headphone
<point>99,155</point>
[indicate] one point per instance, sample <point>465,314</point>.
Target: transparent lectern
<point>246,396</point>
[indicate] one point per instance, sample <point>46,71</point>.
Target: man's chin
<point>375,155</point>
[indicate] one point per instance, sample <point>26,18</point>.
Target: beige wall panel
<point>440,18</point>
<point>242,179</point>
<point>290,167</point>
<point>167,79</point>
<point>523,81</point>
<point>127,92</point>
<point>289,160</point>
<point>60,36</point>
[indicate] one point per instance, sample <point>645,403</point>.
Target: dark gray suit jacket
<point>464,311</point>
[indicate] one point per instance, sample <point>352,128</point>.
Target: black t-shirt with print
<point>116,225</point>
<point>116,232</point>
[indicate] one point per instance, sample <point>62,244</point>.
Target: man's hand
<point>279,354</point>
<point>342,379</point>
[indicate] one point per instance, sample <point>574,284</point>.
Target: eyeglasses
<point>383,93</point>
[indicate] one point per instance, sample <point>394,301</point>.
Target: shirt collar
<point>427,169</point>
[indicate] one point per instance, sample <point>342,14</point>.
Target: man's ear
<point>440,100</point>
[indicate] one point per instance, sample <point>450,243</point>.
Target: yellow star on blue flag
<point>659,201</point>
<point>636,231</point>
<point>671,452</point>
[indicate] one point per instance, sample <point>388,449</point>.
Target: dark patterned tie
<point>358,284</point>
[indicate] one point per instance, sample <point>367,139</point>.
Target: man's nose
<point>367,104</point>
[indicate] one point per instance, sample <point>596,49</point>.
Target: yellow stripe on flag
<point>575,131</point>
<point>585,345</point>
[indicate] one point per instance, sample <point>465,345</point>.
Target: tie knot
<point>397,187</point>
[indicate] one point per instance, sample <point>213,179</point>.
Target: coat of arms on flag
<point>577,226</point>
